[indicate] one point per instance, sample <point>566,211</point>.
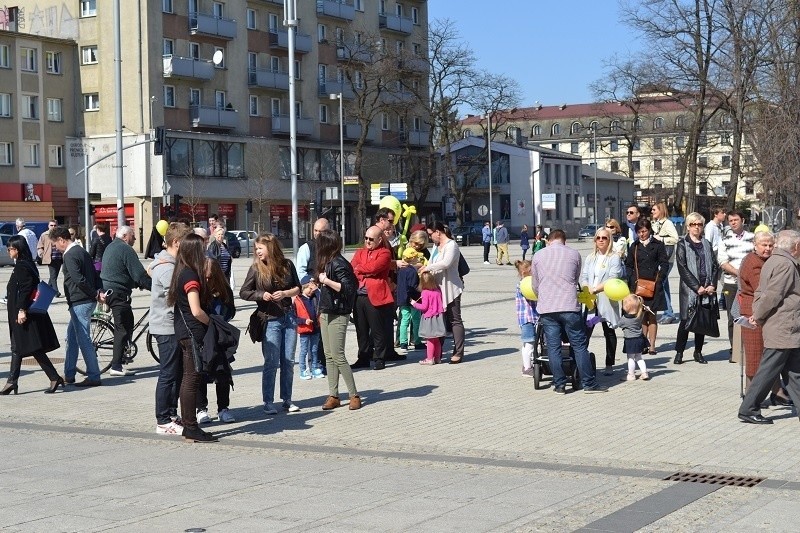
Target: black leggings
<point>611,342</point>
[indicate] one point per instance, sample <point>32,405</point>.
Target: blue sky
<point>553,49</point>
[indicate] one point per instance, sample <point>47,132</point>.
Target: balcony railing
<point>214,117</point>
<point>395,23</point>
<point>187,67</point>
<point>335,86</point>
<point>416,64</point>
<point>352,131</point>
<point>416,137</point>
<point>280,124</point>
<point>398,97</point>
<point>337,9</point>
<point>269,79</point>
<point>212,25</point>
<point>280,39</point>
<point>345,53</point>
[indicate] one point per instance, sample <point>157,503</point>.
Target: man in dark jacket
<point>122,271</point>
<point>82,294</point>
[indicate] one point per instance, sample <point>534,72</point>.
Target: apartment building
<point>657,131</point>
<point>227,123</point>
<point>36,115</point>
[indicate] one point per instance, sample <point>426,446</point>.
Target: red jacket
<point>302,315</point>
<point>372,271</point>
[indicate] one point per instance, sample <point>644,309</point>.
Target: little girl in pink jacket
<point>432,327</point>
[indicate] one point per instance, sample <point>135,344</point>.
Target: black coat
<point>652,260</point>
<point>339,303</point>
<point>36,334</point>
<point>689,284</point>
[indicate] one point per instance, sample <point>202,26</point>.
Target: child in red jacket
<point>306,306</point>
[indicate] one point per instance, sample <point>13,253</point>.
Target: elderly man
<point>775,309</point>
<point>28,234</point>
<point>122,271</point>
<point>50,255</point>
<point>306,255</point>
<point>735,245</point>
<point>374,301</point>
<point>555,273</point>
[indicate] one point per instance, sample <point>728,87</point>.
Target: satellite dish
<point>217,57</point>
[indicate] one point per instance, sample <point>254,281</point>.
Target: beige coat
<point>777,301</point>
<point>45,248</point>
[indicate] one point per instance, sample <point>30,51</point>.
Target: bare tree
<point>263,172</point>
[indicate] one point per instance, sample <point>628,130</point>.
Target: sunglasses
<point>696,224</point>
<point>610,227</point>
<point>368,239</point>
<point>631,213</point>
<point>601,238</point>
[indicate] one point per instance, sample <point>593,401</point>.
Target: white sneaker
<point>486,262</point>
<point>170,428</point>
<point>270,409</point>
<point>291,408</point>
<point>123,372</point>
<point>226,416</point>
<point>202,417</point>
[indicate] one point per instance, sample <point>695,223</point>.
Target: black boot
<point>699,358</point>
<point>678,359</point>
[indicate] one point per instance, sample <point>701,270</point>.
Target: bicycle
<point>102,328</point>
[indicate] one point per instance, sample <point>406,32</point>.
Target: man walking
<point>486,234</point>
<point>555,273</point>
<point>502,244</point>
<point>82,294</point>
<point>50,255</point>
<point>28,234</point>
<point>775,309</point>
<point>122,271</point>
<point>735,245</point>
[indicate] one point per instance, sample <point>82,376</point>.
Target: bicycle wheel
<point>151,346</point>
<point>102,334</point>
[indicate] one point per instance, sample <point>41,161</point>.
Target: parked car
<point>588,231</point>
<point>234,247</point>
<point>10,228</point>
<point>5,259</point>
<point>467,235</point>
<point>241,235</point>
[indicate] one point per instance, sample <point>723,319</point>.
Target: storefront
<point>281,221</point>
<point>108,214</point>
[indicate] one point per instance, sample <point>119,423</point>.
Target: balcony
<point>415,137</point>
<point>214,117</point>
<point>280,39</point>
<point>413,64</point>
<point>187,67</point>
<point>336,9</point>
<point>280,125</point>
<point>398,97</point>
<point>335,86</point>
<point>347,52</point>
<point>268,79</point>
<point>352,132</point>
<point>394,23</point>
<point>201,23</point>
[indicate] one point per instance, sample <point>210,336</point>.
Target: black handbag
<point>704,316</point>
<point>257,326</point>
<point>197,349</point>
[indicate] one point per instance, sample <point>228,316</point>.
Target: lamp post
<point>594,142</point>
<point>338,96</point>
<point>489,156</point>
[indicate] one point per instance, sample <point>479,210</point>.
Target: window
<point>702,162</point>
<point>194,97</point>
<point>252,62</point>
<point>54,110</point>
<point>31,154</point>
<point>88,8</point>
<point>91,102</point>
<point>322,73</point>
<point>417,124</point>
<point>339,36</point>
<point>359,5</point>
<point>6,154</point>
<point>273,22</point>
<point>614,145</point>
<point>637,144</point>
<point>555,129</point>
<point>5,56</point>
<point>415,15</point>
<point>55,156</point>
<point>680,141</point>
<point>251,19</point>
<point>554,146</point>
<point>322,33</point>
<point>169,47</point>
<point>53,62</point>
<point>574,148</point>
<point>253,105</point>
<point>194,50</point>
<point>615,166</point>
<point>726,161</point>
<point>221,63</point>
<point>398,9</point>
<point>385,121</point>
<point>592,146</point>
<point>725,138</point>
<point>275,64</point>
<point>359,82</point>
<point>298,109</point>
<point>702,140</point>
<point>658,123</point>
<point>748,186</point>
<point>558,174</point>
<point>658,143</point>
<point>5,105</point>
<point>614,126</point>
<point>536,131</point>
<point>401,124</point>
<point>637,124</point>
<point>575,128</point>
<point>381,7</point>
<point>679,122</point>
<point>297,69</point>
<point>398,47</point>
<point>28,59</point>
<point>218,9</point>
<point>169,96</point>
<point>220,99</point>
<point>89,55</point>
<point>276,107</point>
<point>703,188</point>
<point>323,113</point>
<point>30,106</point>
<point>192,7</point>
<point>166,6</point>
<point>657,164</point>
<point>636,165</point>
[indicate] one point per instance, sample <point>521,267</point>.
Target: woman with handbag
<point>272,282</point>
<point>698,269</point>
<point>645,264</point>
<point>189,293</point>
<point>664,231</point>
<point>31,334</point>
<point>337,294</point>
<point>600,266</point>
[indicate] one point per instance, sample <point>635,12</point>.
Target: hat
<point>306,279</point>
<point>417,227</point>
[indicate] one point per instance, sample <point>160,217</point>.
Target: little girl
<point>527,317</point>
<point>635,342</point>
<point>432,326</point>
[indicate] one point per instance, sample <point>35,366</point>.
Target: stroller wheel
<point>537,376</point>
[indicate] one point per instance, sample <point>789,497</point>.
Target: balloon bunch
<point>401,212</point>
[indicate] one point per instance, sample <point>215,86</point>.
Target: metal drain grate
<point>715,479</point>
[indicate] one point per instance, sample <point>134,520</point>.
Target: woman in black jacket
<point>32,335</point>
<point>338,292</point>
<point>647,259</point>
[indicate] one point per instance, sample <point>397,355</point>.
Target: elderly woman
<point>600,266</point>
<point>749,275</point>
<point>698,269</point>
<point>647,259</point>
<point>664,231</point>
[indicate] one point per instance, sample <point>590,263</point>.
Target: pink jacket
<point>430,303</point>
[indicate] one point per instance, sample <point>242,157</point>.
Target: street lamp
<point>594,142</point>
<point>489,155</point>
<point>338,96</point>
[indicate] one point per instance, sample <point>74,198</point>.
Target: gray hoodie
<point>161,316</point>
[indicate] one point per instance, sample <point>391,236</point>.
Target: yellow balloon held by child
<point>616,289</point>
<point>161,227</point>
<point>526,288</point>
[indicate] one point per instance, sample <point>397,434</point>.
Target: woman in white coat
<point>600,266</point>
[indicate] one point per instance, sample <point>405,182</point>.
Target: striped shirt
<point>556,270</point>
<point>732,250</point>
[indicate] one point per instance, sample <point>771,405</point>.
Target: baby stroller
<point>541,363</point>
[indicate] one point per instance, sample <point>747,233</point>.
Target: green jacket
<point>122,270</point>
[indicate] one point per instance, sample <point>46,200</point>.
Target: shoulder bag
<point>646,288</point>
<point>704,316</point>
<point>197,349</point>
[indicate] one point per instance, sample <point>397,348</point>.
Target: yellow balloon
<point>161,227</point>
<point>586,297</point>
<point>526,288</point>
<point>616,289</point>
<point>392,203</point>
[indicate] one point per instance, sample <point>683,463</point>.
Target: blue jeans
<point>573,324</point>
<point>309,348</point>
<point>667,297</point>
<point>78,336</point>
<point>280,340</point>
<point>169,377</point>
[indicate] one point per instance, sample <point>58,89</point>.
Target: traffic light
<point>249,206</point>
<point>91,210</point>
<point>320,199</point>
<point>158,142</point>
<point>176,204</point>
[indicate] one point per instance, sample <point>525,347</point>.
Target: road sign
<point>351,180</point>
<point>167,186</point>
<point>331,193</point>
<point>379,190</point>
<point>548,201</point>
<point>483,210</point>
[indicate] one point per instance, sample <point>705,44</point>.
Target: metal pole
<point>341,149</point>
<point>118,113</point>
<point>86,215</point>
<point>594,136</point>
<point>290,9</point>
<point>489,153</point>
